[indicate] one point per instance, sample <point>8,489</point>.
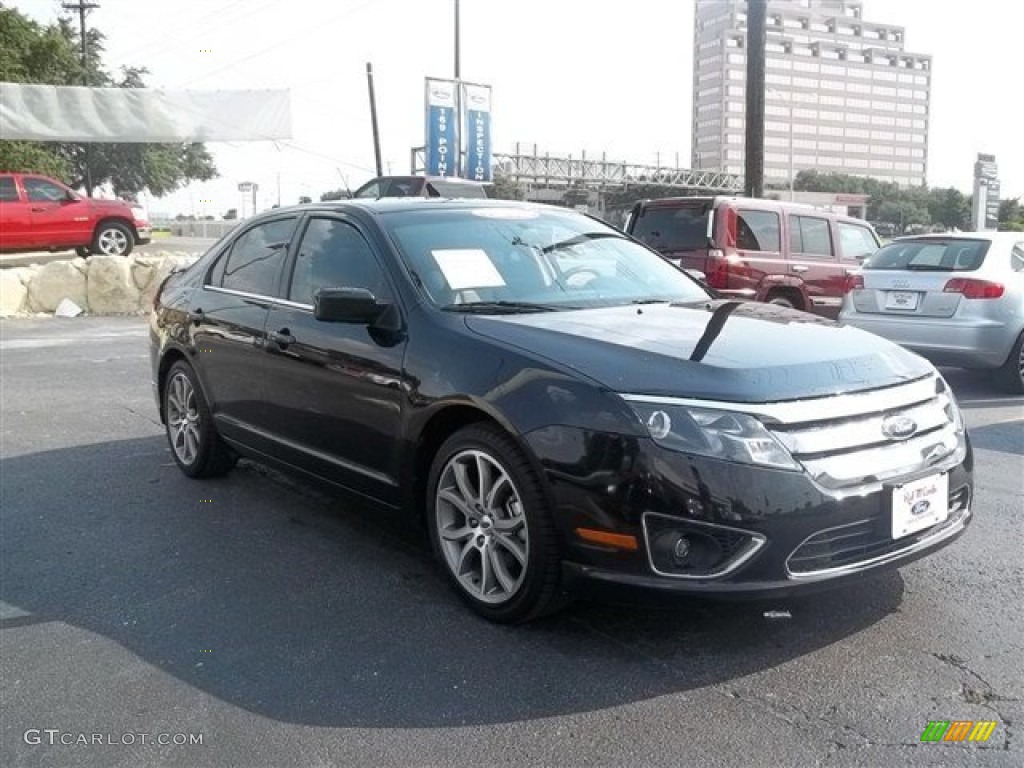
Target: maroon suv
<point>765,250</point>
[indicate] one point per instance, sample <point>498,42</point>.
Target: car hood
<point>718,350</point>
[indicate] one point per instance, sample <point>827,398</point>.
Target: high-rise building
<point>842,93</point>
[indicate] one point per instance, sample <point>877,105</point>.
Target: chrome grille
<point>847,449</point>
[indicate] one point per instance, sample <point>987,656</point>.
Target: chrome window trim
<point>825,408</point>
<point>757,542</point>
<point>259,297</point>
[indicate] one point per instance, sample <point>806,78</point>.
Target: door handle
<point>38,210</point>
<point>282,338</point>
<point>799,268</point>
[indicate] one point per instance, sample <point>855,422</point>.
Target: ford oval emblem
<point>920,508</point>
<point>898,427</point>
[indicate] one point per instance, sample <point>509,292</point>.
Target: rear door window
<point>955,255</point>
<point>673,229</point>
<point>758,231</point>
<point>856,242</point>
<point>810,236</point>
<point>253,265</point>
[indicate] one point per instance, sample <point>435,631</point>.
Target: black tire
<point>781,300</point>
<point>84,252</point>
<point>209,457</point>
<point>1011,374</point>
<point>538,589</point>
<point>112,239</point>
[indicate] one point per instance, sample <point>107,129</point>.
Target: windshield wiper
<point>577,239</point>
<point>927,268</point>
<point>484,307</point>
<point>651,301</point>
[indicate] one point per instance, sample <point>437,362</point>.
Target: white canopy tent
<point>76,113</point>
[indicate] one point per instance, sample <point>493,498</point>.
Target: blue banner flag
<point>442,140</point>
<point>477,101</point>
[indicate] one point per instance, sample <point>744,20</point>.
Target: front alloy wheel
<point>482,530</point>
<point>491,527</point>
<point>113,239</point>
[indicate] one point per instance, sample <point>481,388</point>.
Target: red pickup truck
<point>40,214</point>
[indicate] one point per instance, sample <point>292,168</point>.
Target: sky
<point>569,75</point>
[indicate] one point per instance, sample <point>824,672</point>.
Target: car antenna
<point>344,180</point>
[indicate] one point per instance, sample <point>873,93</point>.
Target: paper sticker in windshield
<point>467,268</point>
<point>505,213</point>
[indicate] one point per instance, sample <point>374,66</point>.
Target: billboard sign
<point>477,103</point>
<point>442,128</point>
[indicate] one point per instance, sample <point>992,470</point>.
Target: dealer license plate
<point>901,300</point>
<point>919,505</point>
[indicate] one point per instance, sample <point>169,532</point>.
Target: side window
<point>334,254</point>
<point>856,242</point>
<point>371,190</point>
<point>8,190</point>
<point>255,259</point>
<point>810,236</point>
<point>1017,257</point>
<point>758,231</point>
<point>43,191</point>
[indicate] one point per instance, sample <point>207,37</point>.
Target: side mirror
<point>346,305</point>
<point>70,197</point>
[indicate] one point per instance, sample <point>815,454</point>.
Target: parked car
<point>957,299</point>
<point>765,250</point>
<point>41,214</point>
<point>558,404</point>
<point>420,186</point>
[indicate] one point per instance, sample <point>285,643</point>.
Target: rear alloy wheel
<point>491,528</point>
<point>195,444</point>
<point>112,239</point>
<point>1012,372</point>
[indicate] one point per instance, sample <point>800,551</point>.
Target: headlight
<point>951,407</point>
<point>139,214</point>
<point>720,434</point>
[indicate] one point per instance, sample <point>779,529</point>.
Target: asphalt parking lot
<point>289,627</point>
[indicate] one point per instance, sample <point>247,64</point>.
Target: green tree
<point>950,208</point>
<point>31,53</point>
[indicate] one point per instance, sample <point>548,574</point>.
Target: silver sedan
<point>956,299</point>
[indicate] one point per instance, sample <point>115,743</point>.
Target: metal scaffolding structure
<point>545,170</point>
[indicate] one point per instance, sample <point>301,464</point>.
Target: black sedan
<point>556,403</point>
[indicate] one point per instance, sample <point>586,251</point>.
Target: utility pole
<point>756,43</point>
<point>83,7</point>
<point>458,94</point>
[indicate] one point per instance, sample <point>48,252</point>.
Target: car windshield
<point>499,259</point>
<point>931,255</point>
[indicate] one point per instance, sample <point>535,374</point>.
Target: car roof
<point>996,237</point>
<point>395,204</point>
<point>755,202</point>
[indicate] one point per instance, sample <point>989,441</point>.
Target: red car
<point>763,250</point>
<point>40,214</point>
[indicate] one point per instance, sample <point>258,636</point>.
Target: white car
<point>956,299</point>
